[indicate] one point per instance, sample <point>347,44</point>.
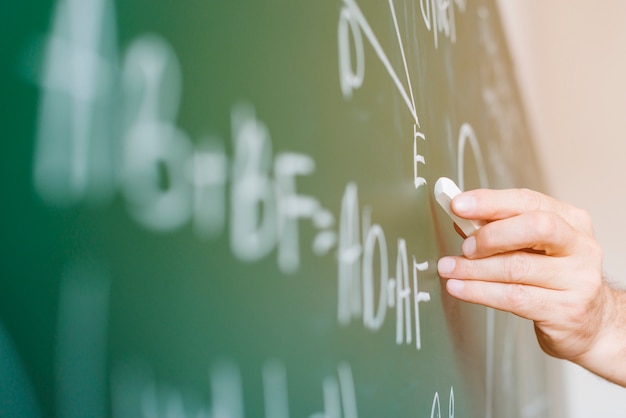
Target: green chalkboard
<point>224,209</point>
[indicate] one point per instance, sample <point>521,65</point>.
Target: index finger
<point>491,205</point>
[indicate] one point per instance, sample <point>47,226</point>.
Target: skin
<point>537,258</point>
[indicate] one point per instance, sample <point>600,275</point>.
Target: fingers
<point>510,268</point>
<point>530,302</point>
<point>493,205</point>
<point>537,258</point>
<point>541,231</point>
<point>497,253</point>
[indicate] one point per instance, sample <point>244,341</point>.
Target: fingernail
<point>446,265</point>
<point>464,204</point>
<point>469,246</point>
<point>455,287</point>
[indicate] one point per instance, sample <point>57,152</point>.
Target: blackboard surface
<point>224,209</point>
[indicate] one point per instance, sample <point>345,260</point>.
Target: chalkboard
<point>224,209</point>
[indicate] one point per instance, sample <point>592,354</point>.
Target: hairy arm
<point>538,258</point>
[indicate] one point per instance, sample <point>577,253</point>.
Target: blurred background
<point>570,58</point>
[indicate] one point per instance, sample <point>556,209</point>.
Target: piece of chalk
<point>445,191</point>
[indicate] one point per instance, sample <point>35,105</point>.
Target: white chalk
<point>445,191</point>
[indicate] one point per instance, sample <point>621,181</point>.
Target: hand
<point>537,258</point>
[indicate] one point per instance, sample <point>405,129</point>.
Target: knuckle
<point>584,218</point>
<point>515,297</point>
<point>592,287</point>
<point>532,199</point>
<point>517,268</point>
<point>595,251</point>
<point>587,259</point>
<point>486,239</point>
<point>544,224</point>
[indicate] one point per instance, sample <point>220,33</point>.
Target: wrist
<point>607,353</point>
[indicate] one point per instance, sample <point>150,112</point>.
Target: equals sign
<point>326,238</point>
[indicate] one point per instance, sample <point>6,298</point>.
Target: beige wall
<point>571,62</point>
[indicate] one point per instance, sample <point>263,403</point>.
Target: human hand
<point>537,258</point>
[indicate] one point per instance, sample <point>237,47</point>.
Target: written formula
<point>169,182</point>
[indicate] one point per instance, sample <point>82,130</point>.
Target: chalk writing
<point>351,79</point>
<point>439,17</point>
<point>136,392</point>
<point>155,150</point>
<point>73,152</point>
<point>253,228</point>
<point>466,133</point>
<point>358,294</point>
<point>253,196</point>
<point>418,180</point>
<point>435,411</point>
<point>208,172</point>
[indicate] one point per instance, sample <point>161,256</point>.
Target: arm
<point>537,258</point>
